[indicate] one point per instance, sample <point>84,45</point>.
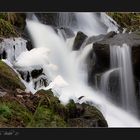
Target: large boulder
<point>98,59</point>
<point>79,40</point>
<point>101,50</point>
<point>9,80</point>
<point>84,115</point>
<point>43,109</point>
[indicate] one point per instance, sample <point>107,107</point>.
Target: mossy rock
<point>46,117</point>
<point>84,115</point>
<point>7,30</point>
<point>16,19</point>
<point>129,20</point>
<point>13,114</point>
<point>9,80</point>
<point>50,101</point>
<point>49,112</point>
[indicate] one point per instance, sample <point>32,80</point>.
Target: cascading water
<point>66,69</point>
<point>120,61</point>
<point>68,77</point>
<point>88,23</point>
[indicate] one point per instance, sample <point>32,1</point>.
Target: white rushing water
<point>120,60</point>
<point>66,71</point>
<point>87,22</point>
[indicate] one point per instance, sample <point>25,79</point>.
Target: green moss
<point>71,106</point>
<point>8,78</point>
<point>49,112</point>
<point>7,30</point>
<point>16,19</point>
<point>2,15</point>
<point>14,114</point>
<point>131,21</point>
<point>5,111</point>
<point>45,117</point>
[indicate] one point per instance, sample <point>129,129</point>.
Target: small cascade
<point>53,64</point>
<point>105,81</point>
<point>65,19</point>
<point>87,22</point>
<point>120,62</point>
<point>109,22</point>
<point>68,78</point>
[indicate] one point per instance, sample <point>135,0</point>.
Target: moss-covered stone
<point>47,99</point>
<point>16,19</point>
<point>129,20</point>
<point>46,117</point>
<point>48,112</point>
<point>13,114</point>
<point>7,30</point>
<point>9,80</point>
<point>84,115</point>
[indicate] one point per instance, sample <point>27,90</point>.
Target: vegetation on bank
<point>21,109</point>
<point>128,20</point>
<point>10,23</point>
<point>45,110</point>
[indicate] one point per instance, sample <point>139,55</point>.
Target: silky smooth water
<point>120,60</point>
<point>68,74</point>
<point>66,70</point>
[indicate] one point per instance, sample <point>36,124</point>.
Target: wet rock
<point>85,115</point>
<point>79,40</point>
<point>29,45</point>
<point>102,53</point>
<point>94,39</point>
<point>36,73</point>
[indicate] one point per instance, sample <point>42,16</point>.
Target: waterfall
<point>65,19</point>
<point>120,60</point>
<point>89,23</point>
<point>66,70</point>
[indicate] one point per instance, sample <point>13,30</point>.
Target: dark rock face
<point>99,62</point>
<point>36,73</point>
<point>85,115</point>
<point>93,39</point>
<point>29,45</point>
<point>3,55</point>
<point>47,18</point>
<point>131,39</point>
<point>79,39</point>
<point>98,59</point>
<point>102,52</point>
